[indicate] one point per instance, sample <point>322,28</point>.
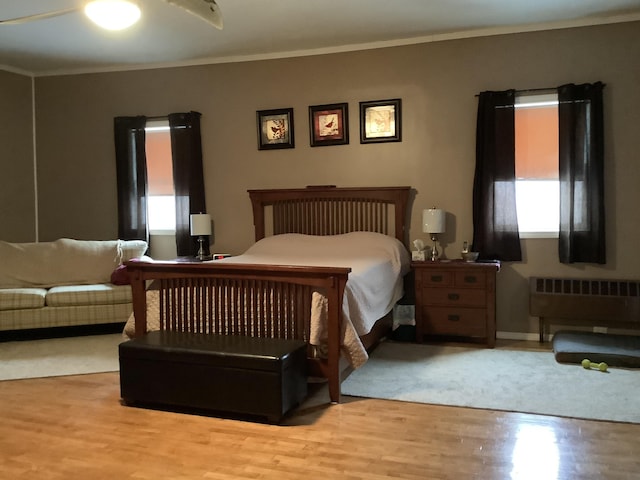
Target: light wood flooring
<point>75,428</point>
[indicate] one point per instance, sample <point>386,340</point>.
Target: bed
<point>285,285</point>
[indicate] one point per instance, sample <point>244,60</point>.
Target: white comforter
<point>378,264</point>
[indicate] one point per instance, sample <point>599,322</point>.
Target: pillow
<point>131,249</point>
<point>120,276</point>
<point>341,250</point>
<point>64,261</point>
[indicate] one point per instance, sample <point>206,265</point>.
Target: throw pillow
<point>120,276</point>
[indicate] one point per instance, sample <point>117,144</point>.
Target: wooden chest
<point>243,375</point>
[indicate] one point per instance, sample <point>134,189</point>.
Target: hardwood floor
<point>75,428</point>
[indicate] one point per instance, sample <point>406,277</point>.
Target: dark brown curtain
<point>495,221</point>
<point>131,171</point>
<point>186,150</point>
<point>582,215</point>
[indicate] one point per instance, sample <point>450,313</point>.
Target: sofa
<point>65,282</point>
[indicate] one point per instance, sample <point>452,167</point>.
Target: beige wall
<point>437,83</point>
<point>17,199</point>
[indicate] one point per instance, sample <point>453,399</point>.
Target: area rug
<point>59,356</point>
<point>496,379</point>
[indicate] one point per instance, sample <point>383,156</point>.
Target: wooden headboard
<point>329,210</point>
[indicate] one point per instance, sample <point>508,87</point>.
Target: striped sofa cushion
<point>100,294</point>
<point>20,298</point>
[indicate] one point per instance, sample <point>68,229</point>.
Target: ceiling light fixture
<point>120,14</point>
<point>112,14</point>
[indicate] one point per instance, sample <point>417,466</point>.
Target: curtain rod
<point>532,90</point>
<point>545,89</point>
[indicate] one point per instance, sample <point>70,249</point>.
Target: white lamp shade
<point>200,224</point>
<point>433,220</point>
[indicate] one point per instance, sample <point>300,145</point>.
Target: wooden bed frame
<point>274,300</point>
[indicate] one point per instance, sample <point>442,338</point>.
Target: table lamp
<point>433,223</point>
<point>201,228</point>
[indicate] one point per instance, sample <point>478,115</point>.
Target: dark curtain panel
<point>131,170</point>
<point>495,222</point>
<point>582,235</point>
<point>186,151</point>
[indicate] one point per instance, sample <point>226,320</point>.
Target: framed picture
<point>275,129</point>
<point>329,124</point>
<point>381,121</point>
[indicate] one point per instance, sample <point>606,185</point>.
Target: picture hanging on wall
<point>329,124</point>
<point>275,129</point>
<point>381,121</point>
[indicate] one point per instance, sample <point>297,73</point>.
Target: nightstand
<point>456,299</point>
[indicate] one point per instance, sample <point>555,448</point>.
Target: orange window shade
<point>537,142</point>
<point>159,164</point>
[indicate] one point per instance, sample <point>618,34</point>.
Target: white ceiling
<point>254,29</point>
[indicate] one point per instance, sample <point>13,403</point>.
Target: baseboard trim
<point>518,336</point>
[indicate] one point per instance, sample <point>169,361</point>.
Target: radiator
<point>604,303</point>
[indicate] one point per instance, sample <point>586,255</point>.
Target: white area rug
<point>518,381</point>
<point>59,356</point>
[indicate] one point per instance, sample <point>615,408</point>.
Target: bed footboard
<point>252,300</point>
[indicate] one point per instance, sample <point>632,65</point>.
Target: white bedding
<point>378,264</point>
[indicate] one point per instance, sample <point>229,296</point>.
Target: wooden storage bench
<point>225,373</point>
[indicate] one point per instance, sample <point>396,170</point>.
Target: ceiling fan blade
<point>208,10</point>
<point>37,16</point>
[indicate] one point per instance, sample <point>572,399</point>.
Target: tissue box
<point>417,255</point>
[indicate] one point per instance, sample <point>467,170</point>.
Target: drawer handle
<point>470,278</point>
<point>453,318</point>
<point>436,278</point>
<point>453,296</point>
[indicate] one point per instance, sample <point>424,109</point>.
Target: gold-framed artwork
<point>381,121</point>
<point>275,129</point>
<point>329,124</point>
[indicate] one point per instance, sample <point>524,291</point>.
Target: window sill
<point>528,235</point>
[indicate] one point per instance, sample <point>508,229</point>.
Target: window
<point>186,154</point>
<point>537,171</point>
<point>161,203</point>
<point>580,176</point>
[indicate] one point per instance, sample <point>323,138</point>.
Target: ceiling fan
<point>125,12</point>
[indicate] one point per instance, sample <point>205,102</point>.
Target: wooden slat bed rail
<point>254,308</point>
<point>236,299</point>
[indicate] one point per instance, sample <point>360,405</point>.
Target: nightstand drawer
<point>470,279</point>
<point>465,322</point>
<point>435,278</point>
<point>464,297</point>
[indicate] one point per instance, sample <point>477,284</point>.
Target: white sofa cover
<point>64,283</point>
